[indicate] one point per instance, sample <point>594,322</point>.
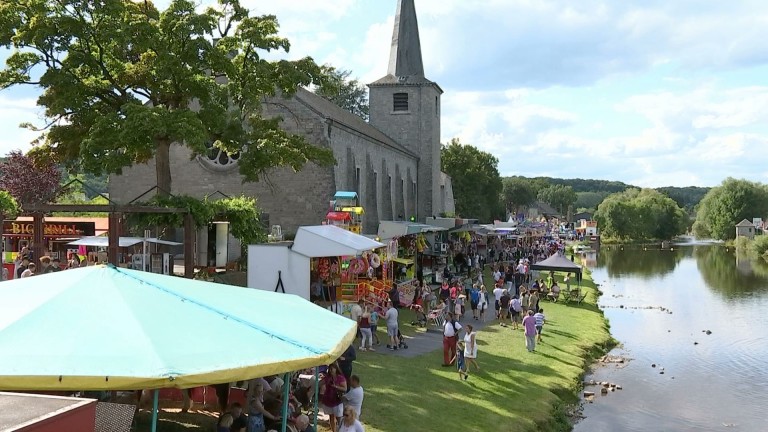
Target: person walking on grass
<point>516,308</point>
<point>392,326</point>
<point>451,330</point>
<point>470,346</point>
<point>474,300</point>
<point>460,364</point>
<point>483,302</point>
<point>529,325</point>
<point>540,319</point>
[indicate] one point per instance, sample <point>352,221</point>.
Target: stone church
<point>392,161</point>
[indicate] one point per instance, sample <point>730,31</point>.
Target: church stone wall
<point>291,199</point>
<point>377,163</point>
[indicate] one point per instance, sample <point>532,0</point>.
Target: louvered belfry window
<point>400,102</point>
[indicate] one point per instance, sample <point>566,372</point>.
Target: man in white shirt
<point>451,330</point>
<point>354,397</point>
<point>392,326</point>
<point>355,313</point>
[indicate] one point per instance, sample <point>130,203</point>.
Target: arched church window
<point>400,102</point>
<point>217,158</point>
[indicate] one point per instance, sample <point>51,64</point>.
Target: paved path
<point>428,341</point>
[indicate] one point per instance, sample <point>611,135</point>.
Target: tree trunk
<point>163,167</point>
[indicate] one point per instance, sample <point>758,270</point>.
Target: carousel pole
<point>155,403</point>
<point>317,395</point>
<point>286,395</point>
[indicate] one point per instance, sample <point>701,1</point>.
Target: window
<point>400,102</point>
<point>217,158</point>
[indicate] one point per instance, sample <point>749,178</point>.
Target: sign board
<point>54,229</point>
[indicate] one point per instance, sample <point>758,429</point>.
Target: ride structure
<point>345,212</point>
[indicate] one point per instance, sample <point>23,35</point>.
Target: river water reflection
<point>712,382</point>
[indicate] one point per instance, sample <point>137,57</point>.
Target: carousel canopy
<point>338,216</point>
<point>104,328</point>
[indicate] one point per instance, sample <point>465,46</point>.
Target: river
<point>710,382</point>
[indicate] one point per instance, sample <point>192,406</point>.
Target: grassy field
<point>514,391</point>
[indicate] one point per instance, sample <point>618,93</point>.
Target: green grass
<point>514,391</point>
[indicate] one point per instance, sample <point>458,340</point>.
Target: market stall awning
<point>102,241</point>
<point>328,241</point>
<point>392,229</point>
<point>105,328</point>
<point>557,262</point>
<point>405,261</point>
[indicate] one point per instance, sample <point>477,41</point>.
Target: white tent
<point>328,240</point>
<point>101,241</point>
<point>285,267</point>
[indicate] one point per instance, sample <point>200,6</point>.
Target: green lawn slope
<point>514,391</point>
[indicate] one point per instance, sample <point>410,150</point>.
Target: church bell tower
<point>405,105</point>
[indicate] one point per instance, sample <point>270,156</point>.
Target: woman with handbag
<point>334,385</point>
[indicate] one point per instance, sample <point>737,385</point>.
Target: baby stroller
<point>421,317</point>
<point>402,344</point>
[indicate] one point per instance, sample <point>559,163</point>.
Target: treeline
<point>591,192</point>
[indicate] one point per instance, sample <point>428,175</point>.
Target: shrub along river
<point>692,322</point>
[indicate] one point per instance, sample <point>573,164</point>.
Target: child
<point>374,320</point>
<point>457,308</point>
<point>539,323</point>
<point>459,359</point>
<point>225,423</point>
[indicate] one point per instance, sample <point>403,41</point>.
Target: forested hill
<point>591,192</point>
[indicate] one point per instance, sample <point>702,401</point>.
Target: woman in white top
<point>470,346</point>
<point>483,303</point>
<point>350,422</point>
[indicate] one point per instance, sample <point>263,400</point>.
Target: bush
<point>759,245</point>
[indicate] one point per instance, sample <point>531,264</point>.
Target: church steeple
<point>405,57</point>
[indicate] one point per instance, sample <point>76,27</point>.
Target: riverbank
<point>514,391</point>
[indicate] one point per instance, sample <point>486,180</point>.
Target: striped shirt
<point>539,319</point>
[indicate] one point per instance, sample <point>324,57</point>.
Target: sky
<point>648,92</point>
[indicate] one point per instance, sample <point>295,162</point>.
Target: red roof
<point>338,216</point>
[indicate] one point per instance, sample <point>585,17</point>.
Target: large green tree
<point>558,196</point>
<point>337,86</point>
<point>122,81</point>
<point>728,204</point>
<point>476,182</point>
<point>637,214</point>
<point>518,192</point>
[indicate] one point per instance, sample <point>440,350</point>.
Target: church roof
<point>405,62</point>
<point>337,114</point>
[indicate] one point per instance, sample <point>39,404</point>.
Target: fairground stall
<point>409,255</point>
<point>324,263</point>
<point>57,232</point>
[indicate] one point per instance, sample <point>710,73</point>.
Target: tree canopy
<point>640,215</point>
<point>476,182</point>
<point>728,204</point>
<point>517,192</point>
<point>337,87</point>
<point>122,81</point>
<point>8,205</point>
<point>29,180</point>
<point>558,196</point>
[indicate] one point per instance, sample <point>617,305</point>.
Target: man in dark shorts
<point>504,311</point>
<point>474,299</point>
